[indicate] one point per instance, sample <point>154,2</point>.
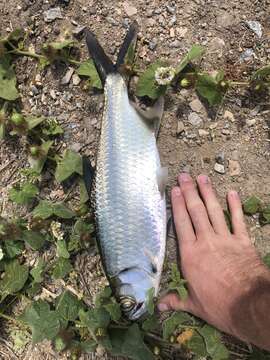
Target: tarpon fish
<point>128,189</point>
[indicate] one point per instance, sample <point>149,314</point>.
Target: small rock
<point>78,31</point>
<point>203,132</point>
<point>225,20</point>
<point>172,21</point>
<point>247,55</point>
<point>180,127</point>
<point>194,119</point>
<point>175,44</point>
<point>251,122</point>
<point>170,9</point>
<point>52,94</point>
<point>66,79</point>
<point>256,27</point>
<point>111,21</point>
<point>76,79</point>
<point>52,14</point>
<point>130,10</point>
<point>196,105</point>
<point>220,158</point>
<point>216,44</point>
<point>229,116</point>
<point>182,32</point>
<point>219,168</point>
<point>76,147</point>
<point>152,44</point>
<point>234,168</point>
<point>225,132</point>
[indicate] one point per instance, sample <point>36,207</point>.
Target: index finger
<point>182,221</point>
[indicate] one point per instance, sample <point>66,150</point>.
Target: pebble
<point>180,127</point>
<point>170,9</point>
<point>75,79</point>
<point>196,105</point>
<point>76,147</point>
<point>247,55</point>
<point>225,20</point>
<point>129,9</point>
<point>194,119</point>
<point>78,30</point>
<point>52,14</point>
<point>172,21</point>
<point>219,168</point>
<point>216,44</point>
<point>256,27</point>
<point>220,158</point>
<point>182,32</point>
<point>152,44</point>
<point>66,79</point>
<point>225,132</point>
<point>251,122</point>
<point>175,44</point>
<point>234,168</point>
<point>52,94</point>
<point>203,132</point>
<point>111,21</point>
<point>228,115</point>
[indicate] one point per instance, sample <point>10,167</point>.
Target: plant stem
<point>7,317</point>
<point>27,53</point>
<point>239,83</point>
<point>75,62</point>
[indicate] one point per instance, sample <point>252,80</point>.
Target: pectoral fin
<point>152,115</point>
<point>162,179</point>
<point>88,174</point>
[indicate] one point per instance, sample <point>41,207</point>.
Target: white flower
<point>164,75</point>
<point>56,230</point>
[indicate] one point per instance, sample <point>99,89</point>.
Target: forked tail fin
<point>102,62</point>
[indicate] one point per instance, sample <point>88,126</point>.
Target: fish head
<point>132,291</point>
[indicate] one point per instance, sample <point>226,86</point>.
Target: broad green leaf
<point>81,236</point>
<point>197,345</point>
<point>23,194</point>
<point>114,310</point>
<point>103,296</point>
<point>195,52</point>
<point>171,324</point>
<point>15,35</point>
<point>33,121</point>
<point>88,346</point>
<point>252,205</point>
<point>8,81</point>
<point>59,45</point>
<point>59,343</point>
<point>147,85</point>
<point>87,68</point>
<point>214,346</point>
<point>52,128</point>
<point>150,305</point>
<point>95,318</point>
<point>177,283</point>
<point>208,87</point>
<point>13,248</point>
<point>70,163</point>
<point>46,209</point>
<point>20,339</point>
<point>14,278</point>
<point>133,345</point>
<point>68,306</point>
<point>37,163</point>
<point>262,74</point>
<point>57,50</point>
<point>151,323</point>
<point>258,354</point>
<point>34,239</point>
<point>266,260</point>
<point>38,271</point>
<point>43,322</point>
<point>84,197</point>
<point>265,215</point>
<point>61,249</point>
<point>62,268</point>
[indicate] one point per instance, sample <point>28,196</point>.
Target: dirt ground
<point>235,135</point>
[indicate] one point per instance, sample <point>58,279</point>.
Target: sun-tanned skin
<point>229,287</point>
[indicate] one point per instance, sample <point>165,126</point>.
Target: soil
<point>235,134</point>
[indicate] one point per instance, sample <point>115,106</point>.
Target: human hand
<point>219,266</point>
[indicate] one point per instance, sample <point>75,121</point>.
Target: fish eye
<point>127,303</point>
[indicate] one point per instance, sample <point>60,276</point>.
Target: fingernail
<point>163,307</point>
<point>204,179</point>
<point>176,191</point>
<point>184,177</point>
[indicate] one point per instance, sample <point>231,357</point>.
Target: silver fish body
<point>130,209</point>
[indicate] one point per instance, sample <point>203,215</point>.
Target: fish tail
<point>102,62</point>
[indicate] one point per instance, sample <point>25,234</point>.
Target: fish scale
<point>130,210</point>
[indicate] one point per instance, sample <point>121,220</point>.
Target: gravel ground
<point>230,143</point>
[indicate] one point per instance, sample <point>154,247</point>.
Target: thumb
<point>172,301</point>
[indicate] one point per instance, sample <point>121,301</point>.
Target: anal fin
<point>162,179</point>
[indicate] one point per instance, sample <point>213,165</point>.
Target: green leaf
<point>8,81</point>
<point>177,283</point>
<point>23,194</point>
<point>214,346</point>
<point>20,339</point>
<point>84,197</point>
<point>252,205</point>
<point>37,163</point>
<point>266,260</point>
<point>147,85</point>
<point>262,74</point>
<point>87,68</point>
<point>195,52</point>
<point>46,209</point>
<point>88,346</point>
<point>95,318</point>
<point>171,324</point>
<point>151,323</point>
<point>208,87</point>
<point>13,248</point>
<point>62,268</point>
<point>70,163</point>
<point>114,310</point>
<point>68,306</point>
<point>265,215</point>
<point>58,50</point>
<point>150,305</point>
<point>80,237</point>
<point>38,271</point>
<point>52,128</point>
<point>61,249</point>
<point>33,121</point>
<point>258,354</point>
<point>43,322</point>
<point>14,279</point>
<point>103,296</point>
<point>34,239</point>
<point>129,343</point>
<point>197,345</point>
